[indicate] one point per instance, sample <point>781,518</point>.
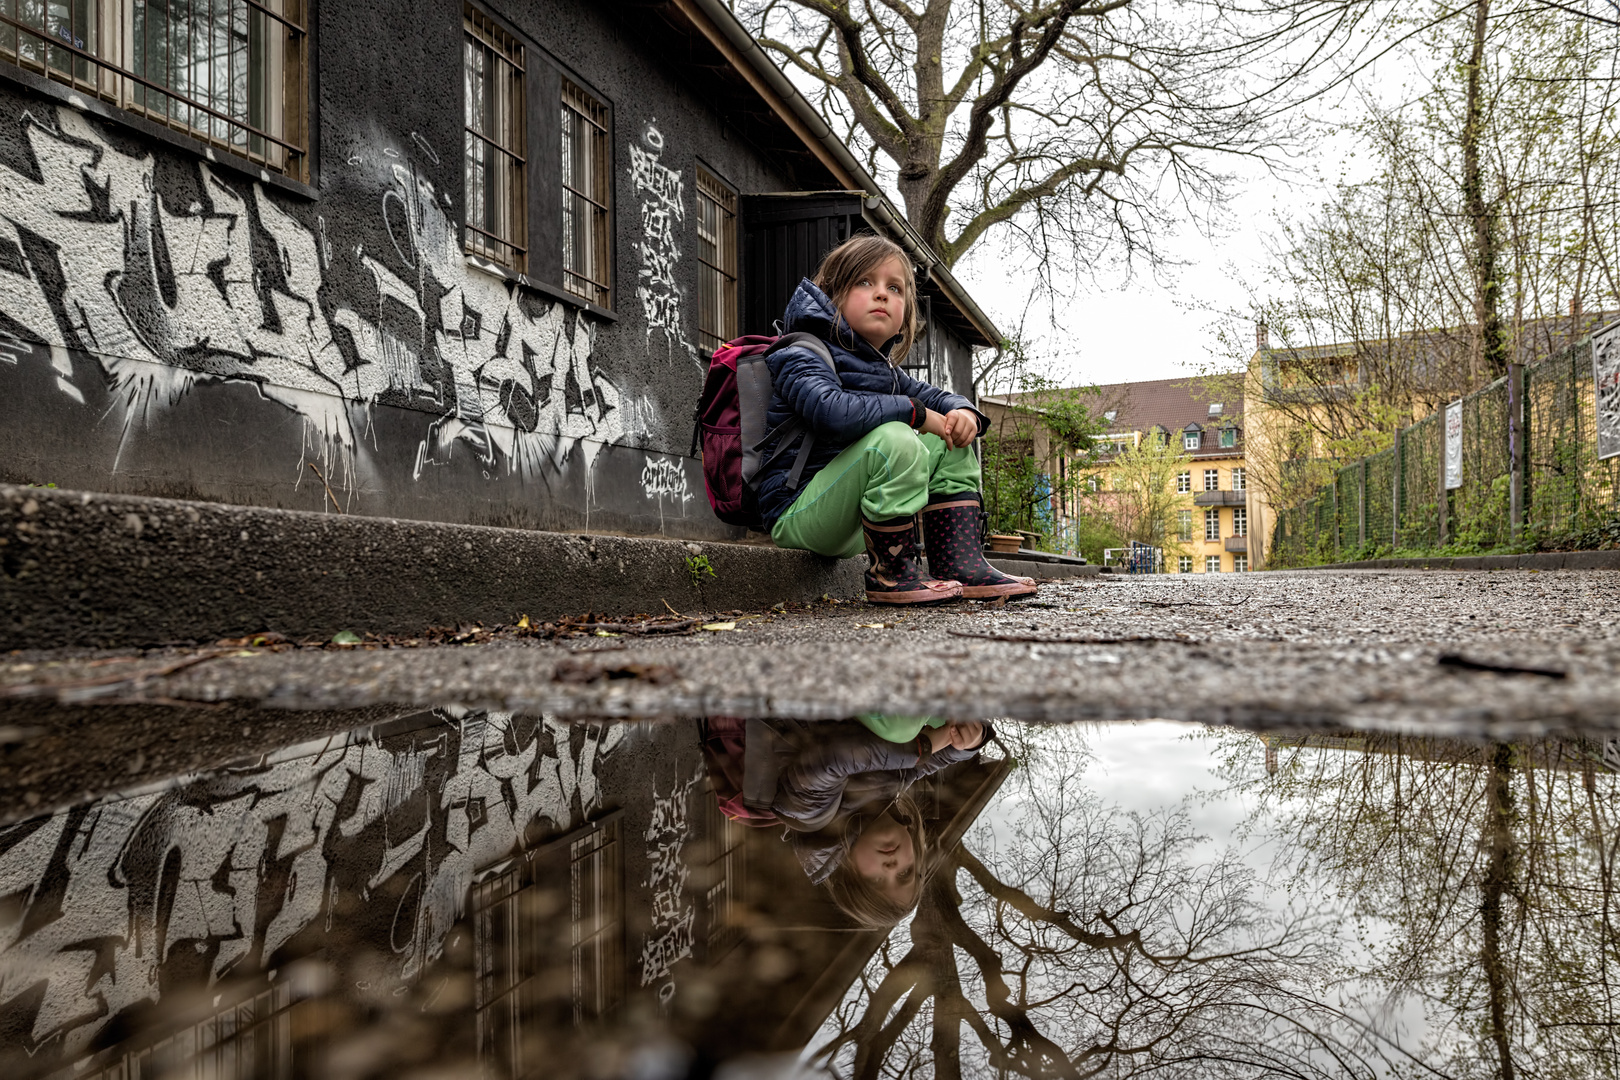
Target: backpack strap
<point>794,426</point>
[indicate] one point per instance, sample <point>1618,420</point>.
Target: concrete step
<point>86,569</point>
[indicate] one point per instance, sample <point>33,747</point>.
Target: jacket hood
<point>812,311</point>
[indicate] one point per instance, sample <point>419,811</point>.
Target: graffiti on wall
<point>221,283</point>
<point>664,478</point>
<point>232,865</point>
<point>663,209</point>
<point>672,913</point>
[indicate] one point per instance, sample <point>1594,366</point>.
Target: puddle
<point>471,893</point>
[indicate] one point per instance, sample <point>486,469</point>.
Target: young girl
<point>843,790</point>
<point>886,446</point>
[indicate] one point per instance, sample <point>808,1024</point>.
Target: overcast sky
<point>1148,328</point>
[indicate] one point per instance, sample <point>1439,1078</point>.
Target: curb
<point>1042,570</point>
<point>86,569</point>
<point>1540,560</point>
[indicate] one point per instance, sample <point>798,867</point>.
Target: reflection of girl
<point>842,789</point>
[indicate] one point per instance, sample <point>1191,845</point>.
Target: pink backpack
<point>729,429</point>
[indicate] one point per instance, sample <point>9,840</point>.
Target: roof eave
<point>719,24</point>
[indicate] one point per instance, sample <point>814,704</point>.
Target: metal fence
<point>1530,477</point>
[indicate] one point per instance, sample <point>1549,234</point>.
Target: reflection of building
<point>548,943</point>
<point>1559,755</point>
<point>500,894</point>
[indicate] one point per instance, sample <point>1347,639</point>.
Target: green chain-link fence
<point>1395,500</point>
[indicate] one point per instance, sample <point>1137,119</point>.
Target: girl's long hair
<point>849,262</point>
<point>856,897</point>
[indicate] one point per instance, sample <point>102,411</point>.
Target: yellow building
<point>1213,529</point>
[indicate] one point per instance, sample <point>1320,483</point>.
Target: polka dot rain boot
<point>953,532</point>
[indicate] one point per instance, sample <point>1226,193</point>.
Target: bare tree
<point>1078,129</point>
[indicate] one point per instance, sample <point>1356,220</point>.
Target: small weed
<point>698,566</point>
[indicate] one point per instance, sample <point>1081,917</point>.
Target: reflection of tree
<point>1098,943</point>
<point>1481,881</point>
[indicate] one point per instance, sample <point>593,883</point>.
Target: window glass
<point>1190,440</point>
<point>1229,436</point>
<point>1212,479</point>
<point>1184,564</point>
<point>1240,521</point>
<point>717,262</point>
<point>497,219</point>
<point>1212,564</point>
<point>228,72</point>
<point>1212,524</point>
<point>1239,479</point>
<point>1240,564</point>
<point>586,190</point>
<point>1183,482</point>
<point>1184,524</point>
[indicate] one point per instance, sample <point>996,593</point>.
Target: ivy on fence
<point>1395,501</point>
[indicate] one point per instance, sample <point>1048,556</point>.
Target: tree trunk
<point>1491,353</point>
<point>1498,875</point>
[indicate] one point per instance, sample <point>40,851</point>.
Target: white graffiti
<point>94,260</point>
<point>238,862</point>
<point>672,912</point>
<point>663,208</point>
<point>664,478</point>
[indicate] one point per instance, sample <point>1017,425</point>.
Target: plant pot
<point>1005,543</point>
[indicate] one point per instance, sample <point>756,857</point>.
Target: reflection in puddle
<point>469,892</point>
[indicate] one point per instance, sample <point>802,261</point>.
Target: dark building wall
<point>171,326</point>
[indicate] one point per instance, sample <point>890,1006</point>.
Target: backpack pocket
<point>722,472</point>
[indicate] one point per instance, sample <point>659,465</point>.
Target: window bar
<point>183,102</point>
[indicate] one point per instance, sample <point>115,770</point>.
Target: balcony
<point>1220,498</point>
<point>1239,544</point>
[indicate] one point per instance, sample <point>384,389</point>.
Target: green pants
<point>887,473</point>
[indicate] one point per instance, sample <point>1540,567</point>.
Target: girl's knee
<point>895,436</point>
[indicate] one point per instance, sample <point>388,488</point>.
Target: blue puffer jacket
<point>867,393</point>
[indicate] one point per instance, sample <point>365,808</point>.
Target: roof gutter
<point>737,44</point>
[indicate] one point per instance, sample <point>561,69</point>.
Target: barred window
<point>586,191</point>
<point>497,218</point>
<point>231,73</point>
<point>1212,524</point>
<point>548,935</point>
<point>717,262</point>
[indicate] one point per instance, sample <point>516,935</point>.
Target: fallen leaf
<point>720,626</point>
<point>345,637</point>
<point>523,623</point>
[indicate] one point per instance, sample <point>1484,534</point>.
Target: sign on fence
<point>1606,382</point>
<point>1454,445</point>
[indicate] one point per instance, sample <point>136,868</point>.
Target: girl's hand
<point>962,427</point>
<point>965,736</point>
<point>937,424</point>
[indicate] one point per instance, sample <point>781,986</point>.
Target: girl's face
<point>885,856</point>
<point>876,307</point>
